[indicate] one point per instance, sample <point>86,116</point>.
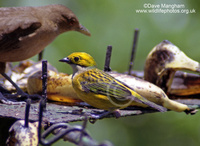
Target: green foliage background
<point>112,22</point>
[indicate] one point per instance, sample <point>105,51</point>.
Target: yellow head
<point>79,58</point>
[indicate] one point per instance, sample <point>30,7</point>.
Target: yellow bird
<point>100,89</point>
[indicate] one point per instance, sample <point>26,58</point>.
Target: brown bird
<point>26,31</point>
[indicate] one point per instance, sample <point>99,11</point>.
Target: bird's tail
<point>138,98</point>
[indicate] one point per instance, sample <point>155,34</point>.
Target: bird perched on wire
<point>100,89</point>
<point>26,31</point>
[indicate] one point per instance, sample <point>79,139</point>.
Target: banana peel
<point>27,75</point>
<point>151,92</point>
<point>59,86</point>
<point>162,63</point>
<point>185,84</point>
<point>23,136</point>
<point>21,72</point>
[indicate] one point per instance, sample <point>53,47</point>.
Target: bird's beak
<point>182,61</point>
<point>83,30</point>
<point>67,60</point>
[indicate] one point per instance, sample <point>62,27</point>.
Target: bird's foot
<point>94,117</point>
<point>191,111</point>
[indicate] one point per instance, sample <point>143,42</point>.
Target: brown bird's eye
<point>76,59</point>
<point>71,21</point>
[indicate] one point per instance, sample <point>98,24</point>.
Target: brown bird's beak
<point>83,30</point>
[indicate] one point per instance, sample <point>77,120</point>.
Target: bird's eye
<point>76,59</point>
<point>70,20</point>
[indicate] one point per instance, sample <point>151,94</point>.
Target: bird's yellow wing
<point>99,82</point>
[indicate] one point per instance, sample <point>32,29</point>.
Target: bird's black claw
<point>191,111</point>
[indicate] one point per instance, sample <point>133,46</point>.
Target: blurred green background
<point>112,23</point>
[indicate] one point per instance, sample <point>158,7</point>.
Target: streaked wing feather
<point>106,89</point>
<point>102,83</point>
